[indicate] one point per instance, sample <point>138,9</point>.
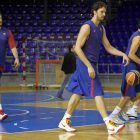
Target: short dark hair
<point>70,46</point>
<point>0,13</point>
<point>139,24</point>
<point>96,6</point>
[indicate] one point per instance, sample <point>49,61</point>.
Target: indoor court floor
<point>35,115</point>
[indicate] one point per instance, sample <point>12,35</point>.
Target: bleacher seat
<point>39,29</point>
<point>52,51</point>
<point>74,29</point>
<point>42,44</point>
<point>81,16</point>
<point>8,68</point>
<point>17,23</point>
<point>31,51</point>
<point>57,10</point>
<point>65,29</point>
<point>37,17</point>
<point>53,22</point>
<point>66,10</point>
<point>33,68</point>
<point>30,29</point>
<point>46,58</point>
<point>52,44</point>
<point>28,59</point>
<point>41,10</point>
<point>63,16</point>
<point>35,58</point>
<point>18,17</point>
<point>34,23</point>
<point>20,68</point>
<point>48,29</point>
<point>66,4</point>
<point>72,16</point>
<point>26,23</point>
<point>63,51</point>
<point>74,10</point>
<point>9,52</point>
<point>32,10</point>
<point>62,22</point>
<point>42,51</point>
<point>38,35</point>
<point>20,51</point>
<point>13,29</point>
<point>43,23</point>
<point>27,17</point>
<point>56,29</point>
<point>21,30</point>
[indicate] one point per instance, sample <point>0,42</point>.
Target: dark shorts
<point>82,84</point>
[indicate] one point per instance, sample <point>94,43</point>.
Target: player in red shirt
<point>6,37</point>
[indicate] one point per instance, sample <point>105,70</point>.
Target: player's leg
<point>3,116</point>
<point>128,91</point>
<point>111,127</point>
<point>132,112</point>
<point>64,123</point>
<point>63,86</point>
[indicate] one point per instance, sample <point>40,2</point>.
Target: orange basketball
<point>133,77</point>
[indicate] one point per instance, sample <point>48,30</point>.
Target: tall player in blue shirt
<point>130,93</point>
<point>85,81</point>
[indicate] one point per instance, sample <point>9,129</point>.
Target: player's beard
<point>99,19</point>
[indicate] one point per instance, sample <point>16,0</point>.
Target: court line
<point>26,112</point>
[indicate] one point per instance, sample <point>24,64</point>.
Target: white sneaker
<point>116,119</point>
<point>3,116</point>
<point>123,113</point>
<point>65,136</point>
<point>132,113</point>
<point>113,128</point>
<point>64,124</point>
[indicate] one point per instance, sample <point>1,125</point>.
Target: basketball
<point>133,77</point>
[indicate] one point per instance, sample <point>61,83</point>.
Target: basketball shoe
<point>123,113</point>
<point>64,124</point>
<point>3,116</point>
<point>113,128</point>
<point>132,113</point>
<point>116,119</point>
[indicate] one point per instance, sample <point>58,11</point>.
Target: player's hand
<point>91,72</point>
<point>125,58</point>
<point>61,74</point>
<point>16,63</point>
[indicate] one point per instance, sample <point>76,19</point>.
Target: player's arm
<point>134,47</point>
<point>112,50</point>
<point>81,39</point>
<point>12,45</point>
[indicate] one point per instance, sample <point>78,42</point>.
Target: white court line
<point>26,111</point>
<point>23,128</point>
<point>24,121</point>
<point>46,118</point>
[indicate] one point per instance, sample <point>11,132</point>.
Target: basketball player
<point>85,80</point>
<point>130,93</point>
<point>6,37</point>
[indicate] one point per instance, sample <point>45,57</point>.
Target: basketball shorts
<point>82,84</point>
<point>126,89</point>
